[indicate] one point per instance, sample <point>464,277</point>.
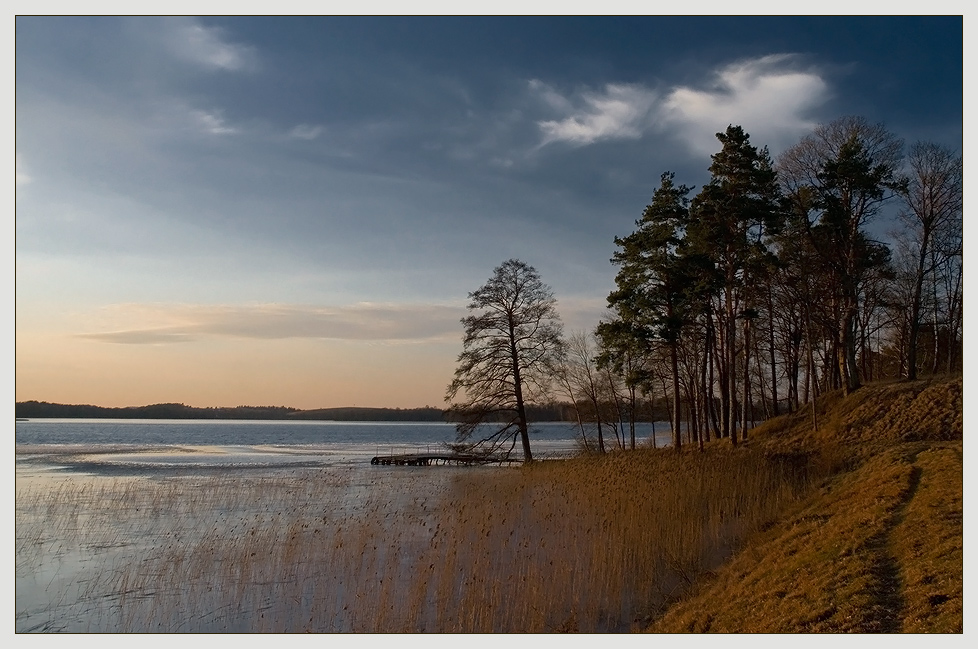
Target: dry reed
<point>589,544</point>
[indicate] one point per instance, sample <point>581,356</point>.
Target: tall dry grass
<point>589,544</point>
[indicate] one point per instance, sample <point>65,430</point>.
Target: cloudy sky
<point>292,211</point>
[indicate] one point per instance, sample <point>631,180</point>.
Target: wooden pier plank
<point>427,459</point>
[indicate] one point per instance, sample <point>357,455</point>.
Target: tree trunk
<point>731,365</point>
<point>631,414</point>
<point>676,403</point>
<point>597,418</point>
<point>655,444</point>
<point>704,393</point>
<point>794,369</point>
<point>711,395</point>
<point>809,359</point>
<point>954,319</point>
<point>565,381</point>
<point>746,403</point>
<point>848,370</point>
<point>774,367</point>
<point>618,410</point>
<point>520,406</point>
<point>937,349</point>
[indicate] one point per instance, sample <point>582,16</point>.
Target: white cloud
<point>207,47</point>
<point>620,111</point>
<point>154,324</point>
<point>306,132</point>
<point>769,96</point>
<point>212,122</point>
<point>766,95</point>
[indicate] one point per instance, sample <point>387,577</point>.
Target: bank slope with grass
<point>877,548</point>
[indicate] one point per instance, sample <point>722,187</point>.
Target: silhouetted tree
<point>511,349</point>
<point>730,219</point>
<point>839,177</point>
<point>580,376</point>
<point>650,300</point>
<point>932,217</point>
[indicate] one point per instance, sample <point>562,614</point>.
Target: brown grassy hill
<point>878,548</point>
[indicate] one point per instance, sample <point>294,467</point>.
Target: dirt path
<point>878,550</point>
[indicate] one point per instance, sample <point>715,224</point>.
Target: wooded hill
<point>768,286</point>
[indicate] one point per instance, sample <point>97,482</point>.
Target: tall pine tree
<point>730,220</point>
<point>651,302</point>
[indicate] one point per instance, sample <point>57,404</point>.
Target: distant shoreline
<point>27,410</point>
<point>45,410</point>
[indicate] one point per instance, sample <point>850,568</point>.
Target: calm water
<point>104,445</point>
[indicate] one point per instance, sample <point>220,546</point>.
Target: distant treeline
<point>371,414</point>
<point>43,409</point>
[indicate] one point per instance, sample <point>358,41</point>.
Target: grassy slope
<point>879,548</point>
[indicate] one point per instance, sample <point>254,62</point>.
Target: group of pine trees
<point>768,287</point>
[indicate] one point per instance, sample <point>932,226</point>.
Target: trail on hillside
<point>878,549</point>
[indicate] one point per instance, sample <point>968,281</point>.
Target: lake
<point>139,445</point>
<point>236,526</point>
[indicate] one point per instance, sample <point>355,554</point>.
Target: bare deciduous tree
<point>510,353</point>
<point>933,201</point>
<point>581,379</point>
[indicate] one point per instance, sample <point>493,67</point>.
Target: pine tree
<point>651,303</point>
<point>730,220</point>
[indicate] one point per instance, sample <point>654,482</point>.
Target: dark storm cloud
<point>432,147</point>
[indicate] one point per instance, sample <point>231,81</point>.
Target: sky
<point>292,211</point>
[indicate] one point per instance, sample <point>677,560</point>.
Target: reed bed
<point>588,544</point>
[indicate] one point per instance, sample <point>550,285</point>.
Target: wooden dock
<point>435,459</point>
